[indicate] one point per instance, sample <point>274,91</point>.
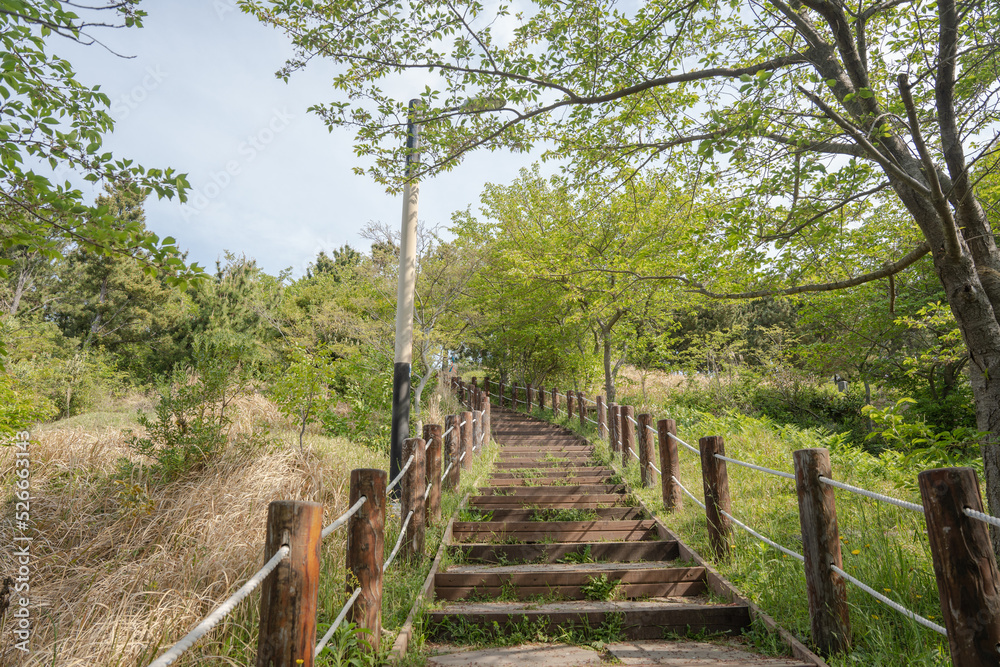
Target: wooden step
<point>556,531</point>
<point>568,581</point>
<point>577,465</point>
<point>553,472</point>
<point>553,490</point>
<point>640,619</point>
<point>615,552</point>
<point>554,499</point>
<point>607,513</point>
<point>576,480</point>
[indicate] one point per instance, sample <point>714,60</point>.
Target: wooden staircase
<point>557,533</point>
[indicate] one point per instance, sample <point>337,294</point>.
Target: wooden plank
<point>554,490</point>
<point>620,552</point>
<point>553,500</point>
<point>577,576</point>
<point>625,590</point>
<point>607,513</point>
<point>576,480</point>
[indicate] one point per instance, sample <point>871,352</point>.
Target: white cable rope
<point>589,419</point>
<point>891,603</point>
<point>695,451</point>
<point>399,476</point>
<point>872,495</point>
<point>787,475</point>
<point>336,623</point>
<point>430,485</point>
<point>988,518</point>
<point>399,541</point>
<point>462,424</point>
<point>344,517</point>
<point>589,401</point>
<point>632,420</point>
<point>221,611</point>
<point>650,464</point>
<point>447,470</point>
<point>761,537</point>
<point>462,456</point>
<point>684,489</point>
<point>450,429</point>
<point>632,452</point>
<point>652,429</point>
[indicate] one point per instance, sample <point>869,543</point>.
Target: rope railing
<point>590,420</point>
<point>658,471</point>
<point>344,517</point>
<point>693,450</point>
<point>399,541</point>
<point>462,457</point>
<point>221,611</point>
<point>986,518</point>
<point>427,492</point>
<point>686,492</point>
<point>890,603</point>
<point>754,466</point>
<point>399,476</point>
<point>760,537</point>
<point>450,429</point>
<point>447,470</point>
<point>630,418</point>
<point>336,623</point>
<point>872,494</point>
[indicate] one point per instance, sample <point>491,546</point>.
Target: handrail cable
<point>342,519</point>
<point>891,603</point>
<point>447,470</point>
<point>336,623</point>
<point>988,518</point>
<point>450,429</point>
<point>873,495</point>
<point>689,495</point>
<point>650,464</point>
<point>752,466</point>
<point>430,485</point>
<point>399,541</point>
<point>220,612</point>
<point>400,474</point>
<point>693,450</point>
<point>761,537</point>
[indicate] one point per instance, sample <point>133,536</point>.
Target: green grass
<point>571,514</point>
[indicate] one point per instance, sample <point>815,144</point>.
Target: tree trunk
<point>609,377</point>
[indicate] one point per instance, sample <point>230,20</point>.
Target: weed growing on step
<point>578,557</point>
<point>601,589</point>
<point>564,515</point>
<point>466,514</point>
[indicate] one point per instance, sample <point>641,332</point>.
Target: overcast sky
<point>270,181</point>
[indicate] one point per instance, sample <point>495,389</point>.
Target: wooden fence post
<point>487,421</point>
<point>452,447</point>
<point>487,385</point>
<point>628,434</point>
<point>964,565</point>
<point>412,498</point>
<point>602,418</point>
<point>616,428</point>
<point>365,552</point>
<point>541,398</point>
<point>432,437</point>
<point>670,464</point>
<point>287,631</point>
<point>555,402</point>
<point>716,487</point>
<point>477,429</point>
<point>465,446</point>
<point>581,407</point>
<point>500,393</point>
<point>647,474</point>
<point>569,404</point>
<point>830,623</point>
<point>528,396</point>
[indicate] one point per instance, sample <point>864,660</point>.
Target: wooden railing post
<point>365,553</point>
<point>645,438</point>
<point>581,407</point>
<point>287,632</point>
<point>487,385</point>
<point>964,565</point>
<point>475,382</point>
<point>602,418</point>
<point>412,498</point>
<point>477,429</point>
<point>452,447</point>
<point>716,486</point>
<point>569,404</point>
<point>670,464</point>
<point>432,437</point>
<point>465,447</point>
<point>500,393</point>
<point>616,428</point>
<point>827,591</point>
<point>555,402</point>
<point>628,434</point>
<point>487,421</point>
<point>528,397</point>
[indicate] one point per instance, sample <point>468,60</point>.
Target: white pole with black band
<point>404,298</point>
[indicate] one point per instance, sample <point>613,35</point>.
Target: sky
<point>198,94</point>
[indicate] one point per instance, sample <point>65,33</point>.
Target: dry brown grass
<point>121,567</point>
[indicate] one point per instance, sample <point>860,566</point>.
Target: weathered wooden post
<point>616,428</point>
<point>432,438</point>
<point>475,382</point>
<point>830,623</point>
<point>528,396</point>
<point>487,385</point>
<point>500,393</point>
<point>645,438</point>
<point>716,485</point>
<point>453,448</point>
<point>365,553</point>
<point>670,464</point>
<point>412,499</point>
<point>465,448</point>
<point>602,418</point>
<point>569,404</point>
<point>555,402</point>
<point>287,631</point>
<point>477,429</point>
<point>541,398</point>
<point>487,421</point>
<point>581,407</point>
<point>628,434</point>
<point>964,565</point>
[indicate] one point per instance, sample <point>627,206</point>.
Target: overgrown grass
<point>882,545</point>
<point>127,567</point>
